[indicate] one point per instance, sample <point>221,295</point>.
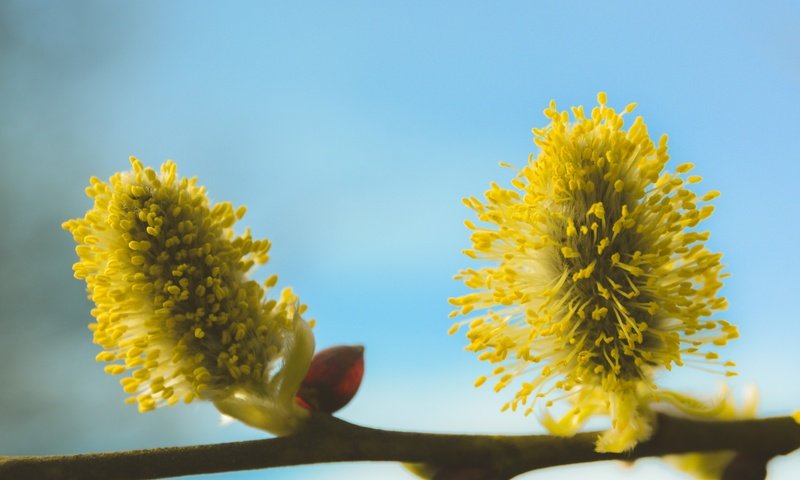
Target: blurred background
<point>351,130</point>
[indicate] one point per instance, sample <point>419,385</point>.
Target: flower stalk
<point>327,439</point>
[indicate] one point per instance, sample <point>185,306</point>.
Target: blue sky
<point>351,130</point>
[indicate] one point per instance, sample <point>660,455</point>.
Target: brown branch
<point>327,439</point>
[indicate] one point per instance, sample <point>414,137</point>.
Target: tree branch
<point>327,439</point>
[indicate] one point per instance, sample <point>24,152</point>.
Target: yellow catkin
<point>175,312</point>
<point>598,274</point>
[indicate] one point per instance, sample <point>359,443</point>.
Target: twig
<point>327,439</point>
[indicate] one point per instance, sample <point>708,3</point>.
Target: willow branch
<point>327,439</point>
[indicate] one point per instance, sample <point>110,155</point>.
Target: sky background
<point>351,130</point>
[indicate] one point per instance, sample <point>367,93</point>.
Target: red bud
<point>332,379</point>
